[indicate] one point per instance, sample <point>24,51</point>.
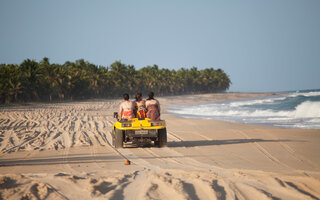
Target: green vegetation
<point>43,81</point>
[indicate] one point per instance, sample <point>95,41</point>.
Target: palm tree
<point>10,83</point>
<point>31,73</point>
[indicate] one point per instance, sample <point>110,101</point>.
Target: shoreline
<point>183,100</point>
<point>114,99</point>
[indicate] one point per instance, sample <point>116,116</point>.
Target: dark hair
<point>150,95</point>
<point>138,96</point>
<point>125,96</point>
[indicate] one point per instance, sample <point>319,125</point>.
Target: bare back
<point>153,102</point>
<point>153,107</point>
<point>126,110</point>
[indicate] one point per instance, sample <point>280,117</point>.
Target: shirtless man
<point>126,108</point>
<point>153,107</point>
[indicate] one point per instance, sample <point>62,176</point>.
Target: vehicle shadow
<point>85,159</point>
<point>196,143</point>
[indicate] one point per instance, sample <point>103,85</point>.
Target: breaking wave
<point>291,110</point>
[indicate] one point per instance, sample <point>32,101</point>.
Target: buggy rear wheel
<point>162,138</point>
<point>118,138</point>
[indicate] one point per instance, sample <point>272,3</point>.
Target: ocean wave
<point>273,100</point>
<point>307,109</point>
<point>256,101</point>
<point>285,111</point>
<point>305,94</point>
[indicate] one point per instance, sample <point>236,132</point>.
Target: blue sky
<point>262,45</point>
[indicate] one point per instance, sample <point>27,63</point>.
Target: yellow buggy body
<point>137,131</point>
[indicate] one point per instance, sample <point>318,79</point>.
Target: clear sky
<point>271,45</point>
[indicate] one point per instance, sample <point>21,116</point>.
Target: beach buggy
<point>137,131</point>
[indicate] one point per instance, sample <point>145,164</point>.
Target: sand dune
<point>63,151</point>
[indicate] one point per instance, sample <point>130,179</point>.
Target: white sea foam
<point>307,109</point>
<point>225,112</point>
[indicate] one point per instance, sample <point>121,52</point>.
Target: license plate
<point>141,132</point>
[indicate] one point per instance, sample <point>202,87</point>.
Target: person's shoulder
<point>121,104</point>
<point>124,103</point>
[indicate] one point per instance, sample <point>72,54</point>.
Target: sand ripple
<point>54,126</point>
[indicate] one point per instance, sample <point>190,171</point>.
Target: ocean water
<point>299,109</point>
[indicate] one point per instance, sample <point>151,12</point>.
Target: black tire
<point>162,138</point>
<point>118,138</point>
<point>113,139</point>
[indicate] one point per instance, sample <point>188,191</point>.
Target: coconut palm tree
<point>10,83</point>
<point>30,76</point>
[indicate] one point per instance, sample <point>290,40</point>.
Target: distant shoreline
<point>131,98</point>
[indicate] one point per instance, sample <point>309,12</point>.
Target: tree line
<point>45,81</point>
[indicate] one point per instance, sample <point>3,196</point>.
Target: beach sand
<point>62,151</point>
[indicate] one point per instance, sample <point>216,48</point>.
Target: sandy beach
<point>63,151</point>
